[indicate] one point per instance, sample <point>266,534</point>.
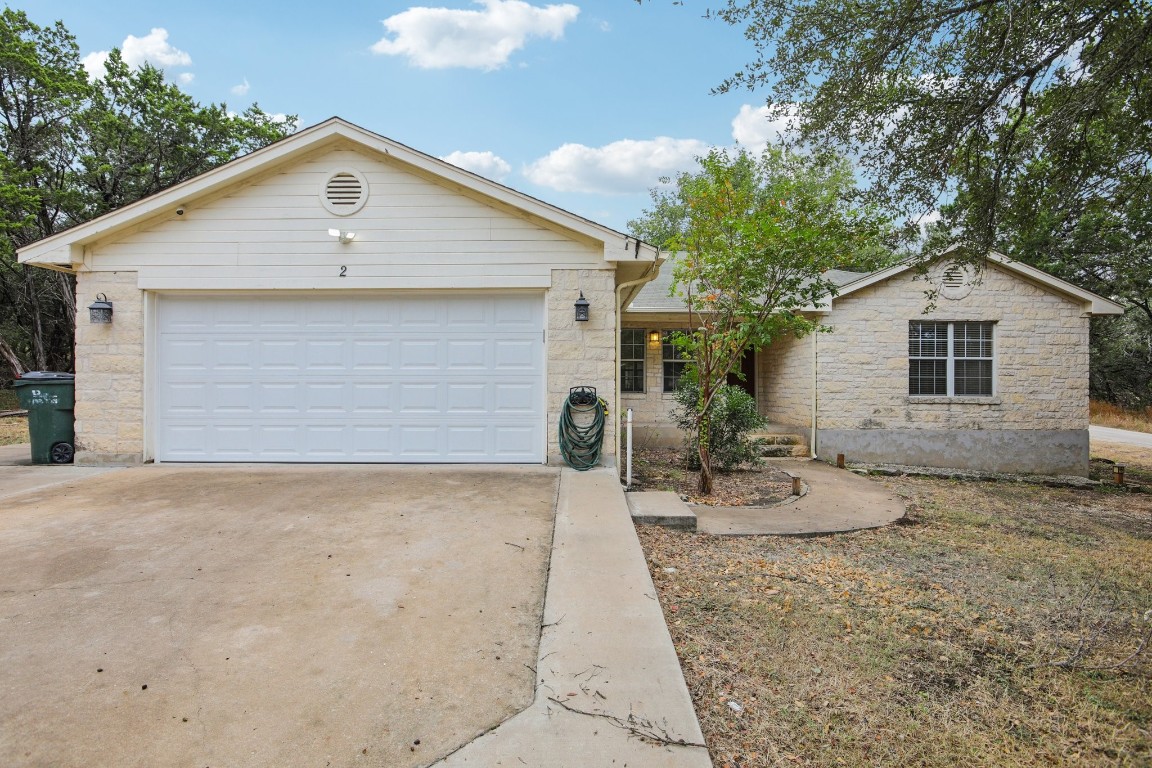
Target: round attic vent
<point>345,192</point>
<point>955,281</point>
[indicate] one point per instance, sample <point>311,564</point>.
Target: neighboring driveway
<point>1121,436</point>
<point>269,616</point>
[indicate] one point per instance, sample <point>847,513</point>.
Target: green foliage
<point>754,237</point>
<point>732,417</point>
<point>1031,123</point>
<point>75,149</point>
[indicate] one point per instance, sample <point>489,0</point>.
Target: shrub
<point>733,417</point>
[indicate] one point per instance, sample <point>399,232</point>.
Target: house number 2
<point>343,271</point>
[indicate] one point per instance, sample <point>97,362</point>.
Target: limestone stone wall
<point>582,354</point>
<point>651,409</point>
<point>110,371</point>
<point>784,381</point>
<point>1040,349</point>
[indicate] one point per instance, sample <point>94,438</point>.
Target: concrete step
<point>780,444</point>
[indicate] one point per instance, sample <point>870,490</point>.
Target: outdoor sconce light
<point>581,309</point>
<point>100,311</point>
<point>653,337</point>
<point>341,235</point>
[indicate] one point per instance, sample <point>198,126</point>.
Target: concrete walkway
<point>836,501</point>
<point>609,687</point>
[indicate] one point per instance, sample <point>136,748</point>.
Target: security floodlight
<point>342,236</point>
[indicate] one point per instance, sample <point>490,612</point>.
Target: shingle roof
<point>654,297</point>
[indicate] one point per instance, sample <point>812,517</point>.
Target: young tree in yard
<point>755,235</point>
<point>74,149</point>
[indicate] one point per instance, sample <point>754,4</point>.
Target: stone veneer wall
<point>581,354</point>
<point>110,361</point>
<point>1037,420</point>
<point>784,381</point>
<point>651,409</point>
<point>110,371</point>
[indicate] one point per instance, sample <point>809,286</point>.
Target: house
<point>340,297</point>
<point>990,375</point>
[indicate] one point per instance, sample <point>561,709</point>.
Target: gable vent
<point>953,277</point>
<point>345,192</point>
<point>956,281</point>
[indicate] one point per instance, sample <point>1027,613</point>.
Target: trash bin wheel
<point>62,453</point>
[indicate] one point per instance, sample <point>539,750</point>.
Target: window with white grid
<point>632,350</point>
<point>950,359</point>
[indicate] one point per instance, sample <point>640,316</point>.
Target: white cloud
<point>241,89</point>
<point>185,78</point>
<point>622,167</point>
<point>487,164</point>
<point>755,127</point>
<point>153,48</point>
<point>439,38</point>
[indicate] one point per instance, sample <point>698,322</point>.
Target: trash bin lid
<point>48,376</point>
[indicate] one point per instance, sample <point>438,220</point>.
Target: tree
<point>1030,121</point>
<point>74,149</point>
<point>755,236</point>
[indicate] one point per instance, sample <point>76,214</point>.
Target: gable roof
<point>66,248</point>
<point>1094,303</point>
<point>655,295</point>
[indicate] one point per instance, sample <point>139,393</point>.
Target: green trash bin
<point>49,398</point>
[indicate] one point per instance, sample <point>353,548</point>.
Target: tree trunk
<point>703,434</point>
<point>39,351</point>
<point>705,484</point>
<point>9,356</point>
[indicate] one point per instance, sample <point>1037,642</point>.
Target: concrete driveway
<point>268,616</point>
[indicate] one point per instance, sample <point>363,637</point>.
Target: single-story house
<point>340,297</point>
<point>992,374</point>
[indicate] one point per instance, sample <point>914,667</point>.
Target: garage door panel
<point>467,354</point>
<point>234,398</point>
<point>515,398</point>
<point>372,355</point>
<point>363,378</point>
<point>325,355</point>
<point>372,399</point>
<point>516,354</point>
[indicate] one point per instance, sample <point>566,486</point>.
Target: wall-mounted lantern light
<point>653,337</point>
<point>100,311</point>
<point>581,309</point>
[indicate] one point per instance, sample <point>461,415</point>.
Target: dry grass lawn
<point>1108,415</point>
<point>13,429</point>
<point>1002,626</point>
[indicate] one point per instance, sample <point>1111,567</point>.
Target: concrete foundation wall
<point>1038,451</point>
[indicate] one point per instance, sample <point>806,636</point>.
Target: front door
<point>747,367</point>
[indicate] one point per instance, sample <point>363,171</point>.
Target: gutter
<point>812,440</point>
<point>648,276</point>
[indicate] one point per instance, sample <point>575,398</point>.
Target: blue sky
<point>584,105</point>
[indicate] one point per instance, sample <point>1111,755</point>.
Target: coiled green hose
<point>580,445</point>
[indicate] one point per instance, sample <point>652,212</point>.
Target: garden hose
<point>582,420</point>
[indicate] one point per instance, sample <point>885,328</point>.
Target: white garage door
<point>356,378</point>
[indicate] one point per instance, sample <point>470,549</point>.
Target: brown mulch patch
<point>665,469</point>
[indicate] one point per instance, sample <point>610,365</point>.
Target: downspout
<point>812,440</point>
<point>648,276</point>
